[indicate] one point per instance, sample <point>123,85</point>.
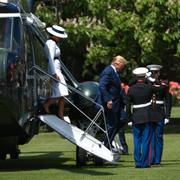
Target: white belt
<point>141,105</point>
<point>159,102</point>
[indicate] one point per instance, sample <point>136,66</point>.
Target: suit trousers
<point>157,142</point>
<point>113,125</point>
<point>142,135</point>
<point>122,140</point>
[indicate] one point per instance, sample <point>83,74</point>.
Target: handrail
<point>67,85</point>
<point>93,121</point>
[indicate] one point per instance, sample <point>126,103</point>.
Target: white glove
<point>148,77</point>
<point>129,123</point>
<point>148,74</point>
<point>166,121</point>
<point>151,79</point>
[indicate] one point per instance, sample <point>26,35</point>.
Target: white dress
<point>53,53</point>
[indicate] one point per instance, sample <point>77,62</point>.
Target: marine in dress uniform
<point>138,109</point>
<point>161,110</point>
<point>109,96</point>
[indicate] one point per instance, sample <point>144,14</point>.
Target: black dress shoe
<point>145,166</point>
<point>125,153</point>
<point>42,111</point>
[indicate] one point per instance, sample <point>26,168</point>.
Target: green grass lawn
<point>176,112</point>
<point>174,125</point>
<point>50,157</point>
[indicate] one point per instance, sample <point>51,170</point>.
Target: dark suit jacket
<point>110,89</point>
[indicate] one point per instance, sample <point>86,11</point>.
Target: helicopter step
<point>79,137</point>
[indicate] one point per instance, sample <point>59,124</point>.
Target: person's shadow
<point>173,126</point>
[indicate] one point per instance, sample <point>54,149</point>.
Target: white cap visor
<point>140,72</point>
<point>154,67</point>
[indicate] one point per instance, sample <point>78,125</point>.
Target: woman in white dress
<point>52,51</point>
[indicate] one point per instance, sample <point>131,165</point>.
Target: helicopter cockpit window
<point>10,33</point>
<point>5,32</point>
<point>16,39</point>
<point>41,60</point>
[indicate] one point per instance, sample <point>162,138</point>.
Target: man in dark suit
<point>110,96</point>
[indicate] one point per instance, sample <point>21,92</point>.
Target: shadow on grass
<point>173,127</point>
<point>49,160</point>
<point>170,163</point>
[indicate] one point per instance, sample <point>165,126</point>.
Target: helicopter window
<point>27,46</point>
<point>16,35</point>
<point>39,53</point>
<point>10,33</point>
<point>5,32</point>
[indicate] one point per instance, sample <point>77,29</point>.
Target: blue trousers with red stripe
<point>142,136</point>
<point>157,142</point>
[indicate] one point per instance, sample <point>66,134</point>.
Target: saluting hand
<point>166,121</point>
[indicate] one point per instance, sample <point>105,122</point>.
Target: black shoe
<point>125,153</point>
<point>42,111</point>
<point>145,166</point>
<point>114,150</point>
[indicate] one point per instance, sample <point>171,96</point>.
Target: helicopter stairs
<point>79,137</point>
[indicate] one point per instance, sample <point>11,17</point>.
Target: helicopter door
<point>40,89</point>
<point>30,85</point>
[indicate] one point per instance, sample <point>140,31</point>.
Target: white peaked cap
<point>140,71</point>
<point>154,67</point>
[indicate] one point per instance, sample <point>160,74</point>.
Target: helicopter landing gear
<point>2,156</point>
<point>15,154</point>
<point>98,161</point>
<point>81,157</point>
<point>9,146</point>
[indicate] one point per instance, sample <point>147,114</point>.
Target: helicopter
<point>25,85</point>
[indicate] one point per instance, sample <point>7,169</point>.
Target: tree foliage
<point>144,32</point>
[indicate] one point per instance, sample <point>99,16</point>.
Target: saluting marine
<point>161,110</point>
<point>139,97</point>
